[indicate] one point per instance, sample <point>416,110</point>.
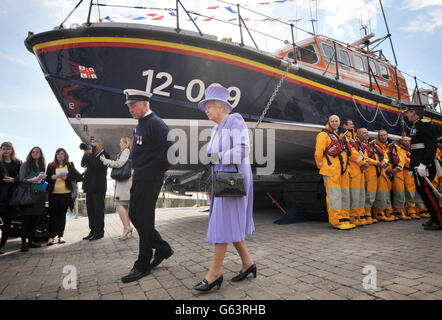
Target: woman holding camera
<point>32,172</point>
<point>122,187</point>
<point>9,169</point>
<point>60,177</point>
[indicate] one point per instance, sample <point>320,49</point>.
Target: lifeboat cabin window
<point>358,63</point>
<point>344,58</point>
<point>373,67</point>
<point>329,52</point>
<point>305,54</point>
<point>384,72</point>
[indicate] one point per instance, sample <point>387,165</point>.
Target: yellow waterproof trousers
<point>338,200</point>
<point>398,187</point>
<point>357,196</point>
<point>382,205</point>
<point>371,185</point>
<point>410,194</point>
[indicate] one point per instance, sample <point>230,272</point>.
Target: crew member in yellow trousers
<point>331,159</point>
<point>370,174</point>
<point>398,158</point>
<point>358,163</point>
<point>382,205</point>
<point>410,187</point>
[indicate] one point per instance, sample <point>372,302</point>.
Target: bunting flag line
<point>215,7</point>
<point>231,10</point>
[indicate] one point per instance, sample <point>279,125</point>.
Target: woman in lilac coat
<point>231,218</point>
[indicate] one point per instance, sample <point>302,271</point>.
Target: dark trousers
<point>6,227</point>
<point>95,211</point>
<point>28,228</point>
<point>431,202</point>
<point>58,206</point>
<point>143,197</point>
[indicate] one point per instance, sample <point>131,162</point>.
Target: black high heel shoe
<point>206,286</point>
<point>242,275</point>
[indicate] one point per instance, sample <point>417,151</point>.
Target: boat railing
<point>423,93</point>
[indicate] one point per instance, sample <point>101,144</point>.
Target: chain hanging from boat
<point>378,109</point>
<point>357,109</point>
<point>397,120</point>
<point>272,97</point>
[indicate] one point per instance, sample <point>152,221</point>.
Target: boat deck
<point>298,261</point>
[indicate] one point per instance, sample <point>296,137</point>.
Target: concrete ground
<point>310,260</point>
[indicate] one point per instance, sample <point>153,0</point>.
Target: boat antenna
<point>316,4</point>
<point>311,17</point>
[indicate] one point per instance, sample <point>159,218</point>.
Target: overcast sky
<point>30,114</point>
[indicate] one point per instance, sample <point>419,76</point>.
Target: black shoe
<point>243,275</point>
<point>34,245</point>
<point>90,235</point>
<point>24,248</point>
<point>206,286</point>
<point>433,227</point>
<point>134,275</point>
<point>2,250</point>
<point>428,223</point>
<point>160,256</point>
<point>96,237</point>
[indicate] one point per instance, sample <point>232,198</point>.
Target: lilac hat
<point>217,93</point>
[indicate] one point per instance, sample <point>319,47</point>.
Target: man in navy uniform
<point>149,162</point>
<point>423,153</point>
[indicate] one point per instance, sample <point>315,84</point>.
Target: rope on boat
<point>278,86</point>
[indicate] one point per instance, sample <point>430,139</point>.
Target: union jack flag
<point>87,72</point>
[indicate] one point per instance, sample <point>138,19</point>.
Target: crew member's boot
<point>424,214</point>
<point>339,222</point>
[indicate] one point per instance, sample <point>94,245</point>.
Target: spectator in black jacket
<point>9,170</point>
<point>61,174</point>
<point>94,185</point>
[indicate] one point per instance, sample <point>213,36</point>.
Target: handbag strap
<point>221,137</point>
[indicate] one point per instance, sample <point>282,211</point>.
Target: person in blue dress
<point>231,218</point>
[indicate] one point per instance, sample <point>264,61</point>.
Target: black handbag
<point>123,173</point>
<point>22,196</point>
<point>229,184</point>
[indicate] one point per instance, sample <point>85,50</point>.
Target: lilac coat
<point>231,219</point>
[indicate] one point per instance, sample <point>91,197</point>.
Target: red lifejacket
<point>336,147</point>
<point>393,155</point>
<point>376,150</point>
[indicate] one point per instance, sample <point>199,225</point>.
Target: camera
<point>84,146</point>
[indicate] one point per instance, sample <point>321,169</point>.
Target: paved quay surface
<point>298,261</point>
